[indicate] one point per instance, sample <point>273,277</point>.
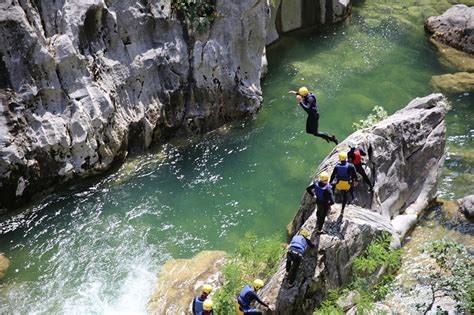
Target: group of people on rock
<point>343,179</point>
<point>204,306</point>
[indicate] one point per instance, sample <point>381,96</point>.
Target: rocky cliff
<point>82,83</point>
<point>405,156</point>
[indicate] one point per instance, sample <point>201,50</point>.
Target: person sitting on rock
<point>198,302</point>
<point>207,307</point>
<point>354,156</point>
<point>322,191</point>
<point>295,253</point>
<point>308,102</point>
<point>249,295</point>
<point>344,177</point>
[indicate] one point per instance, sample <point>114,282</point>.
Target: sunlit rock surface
<point>84,82</point>
<point>458,82</point>
<point>289,15</point>
<point>405,157</point>
<point>180,281</point>
<point>455,27</point>
<point>4,264</point>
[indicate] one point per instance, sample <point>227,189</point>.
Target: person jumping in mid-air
<point>308,102</point>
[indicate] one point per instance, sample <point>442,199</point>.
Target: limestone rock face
<point>181,280</point>
<point>4,264</point>
<point>289,15</point>
<point>455,27</point>
<point>466,206</point>
<point>84,82</point>
<point>405,157</point>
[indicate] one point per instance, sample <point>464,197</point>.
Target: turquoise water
<point>97,248</point>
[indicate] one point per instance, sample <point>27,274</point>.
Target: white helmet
<point>351,143</point>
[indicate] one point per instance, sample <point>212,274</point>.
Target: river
<point>97,247</point>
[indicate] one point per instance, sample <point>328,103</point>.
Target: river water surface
<point>96,248</point>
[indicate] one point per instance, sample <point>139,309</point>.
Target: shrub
<point>379,254</point>
<point>199,14</point>
<point>454,277</point>
<point>378,114</point>
<point>253,258</point>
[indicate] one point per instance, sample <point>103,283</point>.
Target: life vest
<point>315,104</point>
<point>357,157</point>
<point>299,244</point>
<point>319,191</point>
<point>244,299</point>
<point>342,171</point>
<point>198,305</point>
<point>343,178</point>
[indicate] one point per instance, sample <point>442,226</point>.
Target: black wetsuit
<point>310,106</point>
<point>351,157</point>
<point>322,204</point>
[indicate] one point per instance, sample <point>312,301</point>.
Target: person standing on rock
<point>309,104</point>
<point>322,191</point>
<point>249,295</point>
<point>198,302</point>
<point>298,245</point>
<point>344,177</point>
<point>354,156</point>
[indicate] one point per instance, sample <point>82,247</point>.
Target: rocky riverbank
<point>85,83</point>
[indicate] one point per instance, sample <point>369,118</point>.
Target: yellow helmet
<point>304,232</point>
<point>257,283</point>
<point>303,91</point>
<point>207,306</point>
<point>324,176</point>
<point>207,288</point>
<point>342,156</point>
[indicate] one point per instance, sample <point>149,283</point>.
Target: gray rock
<point>455,27</point>
<point>86,82</point>
<point>405,157</point>
<point>466,206</point>
<point>290,15</point>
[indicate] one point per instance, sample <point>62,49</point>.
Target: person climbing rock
<point>298,245</point>
<point>198,302</point>
<point>207,307</point>
<point>249,295</point>
<point>322,191</point>
<point>309,103</point>
<point>354,156</point>
<point>344,177</point>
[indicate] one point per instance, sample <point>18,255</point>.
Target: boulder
<point>466,206</point>
<point>86,82</point>
<point>459,82</point>
<point>455,27</point>
<point>180,281</point>
<point>454,58</point>
<point>405,158</point>
<point>4,264</point>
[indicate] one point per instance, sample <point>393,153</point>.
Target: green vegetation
<point>254,258</point>
<point>199,14</point>
<point>379,114</point>
<point>368,286</point>
<point>453,275</point>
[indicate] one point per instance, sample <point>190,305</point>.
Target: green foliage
<point>253,258</point>
<point>378,254</point>
<point>378,114</point>
<point>455,275</point>
<point>367,287</point>
<point>199,14</point>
